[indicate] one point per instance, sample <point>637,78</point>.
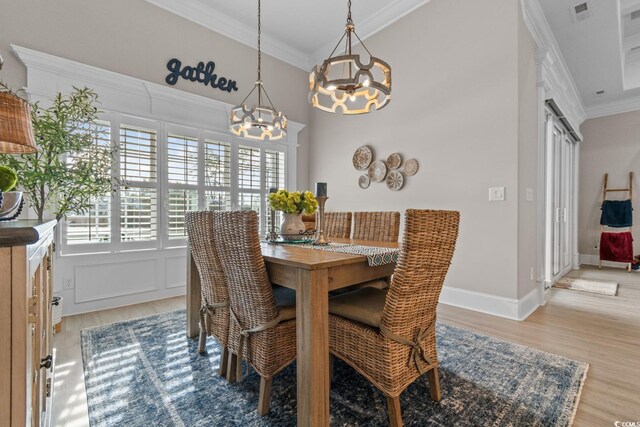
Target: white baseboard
<point>589,259</point>
<point>492,304</point>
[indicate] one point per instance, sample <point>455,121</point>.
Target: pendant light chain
<point>259,49</point>
<point>259,122</point>
<point>259,57</point>
<point>349,20</point>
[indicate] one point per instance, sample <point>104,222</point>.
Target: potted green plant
<point>292,204</point>
<point>72,164</point>
<point>9,200</point>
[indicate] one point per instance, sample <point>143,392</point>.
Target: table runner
<point>376,255</point>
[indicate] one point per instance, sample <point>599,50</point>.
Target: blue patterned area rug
<point>146,372</point>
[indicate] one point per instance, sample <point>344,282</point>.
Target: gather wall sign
<point>202,73</point>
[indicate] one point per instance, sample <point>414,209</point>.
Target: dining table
<point>312,273</point>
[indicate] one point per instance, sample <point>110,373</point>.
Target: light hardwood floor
<point>601,330</point>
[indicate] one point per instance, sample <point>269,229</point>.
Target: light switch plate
<point>496,194</point>
<point>529,194</point>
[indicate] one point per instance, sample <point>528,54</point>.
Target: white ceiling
<point>300,32</point>
<point>593,50</point>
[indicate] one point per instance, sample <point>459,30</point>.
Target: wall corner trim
<point>553,72</point>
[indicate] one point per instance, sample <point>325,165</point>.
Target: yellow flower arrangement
<point>293,202</point>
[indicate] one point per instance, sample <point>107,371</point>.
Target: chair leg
<point>265,396</point>
<point>224,361</point>
<point>232,365</point>
<point>395,413</point>
<point>202,341</point>
<point>434,384</point>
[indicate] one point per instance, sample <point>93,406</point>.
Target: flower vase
<point>292,227</point>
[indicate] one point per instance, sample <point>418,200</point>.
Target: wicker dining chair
<point>379,226</point>
<point>214,310</point>
<point>309,221</point>
<point>389,335</point>
<point>337,224</point>
<point>262,325</point>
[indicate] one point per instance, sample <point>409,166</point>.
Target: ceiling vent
<point>635,14</point>
<point>581,11</point>
<point>599,93</point>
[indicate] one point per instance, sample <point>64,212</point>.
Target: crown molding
<point>553,72</point>
<point>230,27</point>
<point>625,105</point>
<point>371,25</point>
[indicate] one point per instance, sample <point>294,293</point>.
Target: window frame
<point>162,186</point>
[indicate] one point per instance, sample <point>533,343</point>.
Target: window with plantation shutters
<point>182,178</point>
<point>217,164</point>
<point>166,170</point>
<point>139,175</point>
<point>138,155</point>
<point>182,160</point>
<point>93,225</point>
<point>217,173</point>
<point>275,172</point>
<point>249,179</point>
<point>179,202</point>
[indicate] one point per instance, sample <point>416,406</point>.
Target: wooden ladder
<point>606,190</point>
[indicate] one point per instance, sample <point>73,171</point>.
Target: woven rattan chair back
<point>238,243</point>
<point>427,249</point>
<point>201,236</point>
<point>309,221</point>
<point>379,226</point>
<point>337,224</point>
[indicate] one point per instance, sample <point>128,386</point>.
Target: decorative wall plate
<point>411,167</point>
<point>364,181</point>
<point>394,161</point>
<point>377,171</point>
<point>395,180</point>
<point>362,158</point>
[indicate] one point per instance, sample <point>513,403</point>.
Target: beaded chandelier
<point>258,121</point>
<point>345,83</point>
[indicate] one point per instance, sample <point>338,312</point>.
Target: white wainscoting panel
<point>116,279</point>
<point>175,272</point>
<point>98,281</point>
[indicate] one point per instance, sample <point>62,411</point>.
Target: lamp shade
<point>16,130</point>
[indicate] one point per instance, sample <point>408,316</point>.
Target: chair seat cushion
<point>363,305</point>
<point>285,301</point>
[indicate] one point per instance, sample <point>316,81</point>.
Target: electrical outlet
<point>529,194</point>
<point>67,283</point>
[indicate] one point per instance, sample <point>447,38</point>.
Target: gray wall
<point>611,145</point>
<point>135,38</point>
<point>457,78</point>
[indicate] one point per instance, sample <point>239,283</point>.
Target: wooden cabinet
<point>26,329</point>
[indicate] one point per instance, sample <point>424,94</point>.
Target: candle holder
<point>321,240</point>
<point>272,236</point>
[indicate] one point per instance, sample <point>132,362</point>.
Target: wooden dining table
<point>312,273</point>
